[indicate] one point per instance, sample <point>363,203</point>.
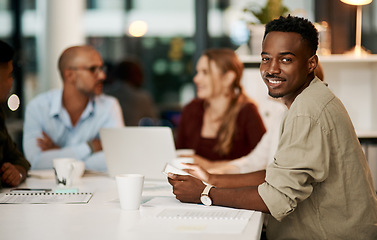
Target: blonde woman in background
<point>222,122</point>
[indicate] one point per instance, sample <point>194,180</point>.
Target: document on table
<point>42,198</point>
<point>209,214</point>
<point>174,216</point>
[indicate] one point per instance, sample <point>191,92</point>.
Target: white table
<point>102,217</point>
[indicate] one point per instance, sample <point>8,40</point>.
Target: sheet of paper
<point>40,198</point>
<point>169,168</point>
<point>199,226</point>
<point>176,217</point>
<point>172,202</point>
<point>209,214</point>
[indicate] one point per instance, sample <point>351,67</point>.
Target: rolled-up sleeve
<point>301,161</point>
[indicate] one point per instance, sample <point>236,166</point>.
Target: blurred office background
<point>167,36</point>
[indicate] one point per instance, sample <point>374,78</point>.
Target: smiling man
<point>66,122</point>
<point>13,165</point>
<point>319,185</point>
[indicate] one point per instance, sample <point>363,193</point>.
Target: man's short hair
<point>298,25</point>
<point>6,52</point>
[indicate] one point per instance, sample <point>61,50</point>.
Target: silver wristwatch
<point>204,198</point>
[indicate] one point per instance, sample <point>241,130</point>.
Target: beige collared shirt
<point>319,185</point>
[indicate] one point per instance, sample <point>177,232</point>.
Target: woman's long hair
<point>226,60</point>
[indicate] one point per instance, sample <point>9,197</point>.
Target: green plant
<point>271,10</point>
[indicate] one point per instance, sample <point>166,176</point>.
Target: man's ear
<point>312,63</point>
<point>68,74</point>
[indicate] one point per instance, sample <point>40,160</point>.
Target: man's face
<point>285,65</point>
<point>6,80</point>
<point>89,73</point>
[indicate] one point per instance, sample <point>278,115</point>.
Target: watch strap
<point>206,189</point>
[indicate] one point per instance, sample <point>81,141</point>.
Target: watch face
<point>206,200</point>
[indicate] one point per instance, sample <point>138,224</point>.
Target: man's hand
<point>10,174</point>
<point>45,143</point>
<point>186,188</point>
<point>96,145</point>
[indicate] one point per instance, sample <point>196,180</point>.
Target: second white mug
<point>67,170</point>
<point>130,188</point>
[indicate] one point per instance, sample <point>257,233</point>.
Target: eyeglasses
<point>92,69</point>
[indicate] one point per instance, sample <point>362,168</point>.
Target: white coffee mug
<point>130,188</point>
<point>78,171</point>
<point>67,170</point>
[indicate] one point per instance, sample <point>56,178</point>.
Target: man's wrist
<point>212,179</point>
<point>22,172</point>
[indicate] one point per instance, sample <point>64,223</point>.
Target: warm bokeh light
<point>357,2</point>
<point>138,28</point>
<point>13,102</point>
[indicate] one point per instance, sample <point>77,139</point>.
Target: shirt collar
<point>57,105</point>
<point>89,110</point>
<point>316,79</point>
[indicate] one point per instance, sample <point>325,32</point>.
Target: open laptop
<point>142,150</point>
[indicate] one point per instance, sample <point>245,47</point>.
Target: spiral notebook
<point>44,198</point>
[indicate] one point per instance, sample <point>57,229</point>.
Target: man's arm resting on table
<point>45,143</point>
<point>46,149</point>
<point>252,179</point>
<point>188,189</point>
<point>12,174</point>
<point>23,172</point>
<point>43,159</point>
<point>95,145</point>
<point>244,198</point>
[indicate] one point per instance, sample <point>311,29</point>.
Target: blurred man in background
<point>66,122</point>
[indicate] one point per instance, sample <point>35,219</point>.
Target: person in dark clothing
<point>13,165</point>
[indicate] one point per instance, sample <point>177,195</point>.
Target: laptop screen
<point>142,150</point>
